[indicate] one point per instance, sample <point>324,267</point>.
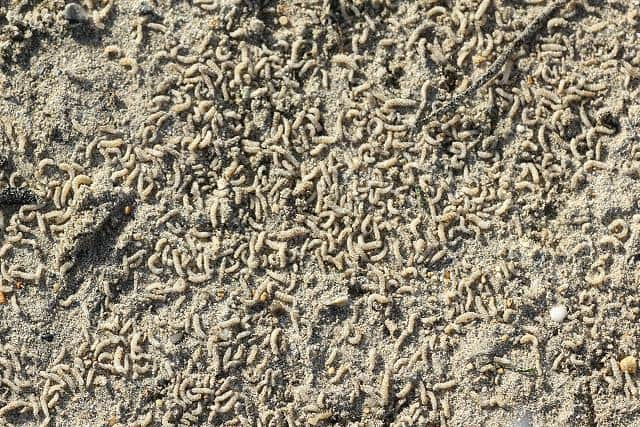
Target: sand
<point>325,213</point>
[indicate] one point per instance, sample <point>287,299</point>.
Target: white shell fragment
<point>558,313</point>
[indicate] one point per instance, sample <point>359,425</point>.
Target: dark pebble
<point>75,14</point>
<point>47,337</point>
<point>145,8</point>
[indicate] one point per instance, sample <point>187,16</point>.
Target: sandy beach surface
<point>319,213</point>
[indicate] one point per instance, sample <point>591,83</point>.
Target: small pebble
<point>47,337</point>
<point>524,421</point>
<point>145,8</point>
<point>256,26</point>
<point>176,338</point>
<point>558,313</point>
<point>75,14</point>
<point>629,364</point>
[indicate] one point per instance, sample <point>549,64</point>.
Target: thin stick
<point>525,36</point>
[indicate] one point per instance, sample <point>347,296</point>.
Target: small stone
<point>144,8</point>
<point>283,20</point>
<point>524,421</point>
<point>75,14</point>
<point>629,364</point>
<point>47,337</point>
<point>3,298</point>
<point>558,313</point>
<point>277,309</point>
<point>176,338</point>
<point>256,26</point>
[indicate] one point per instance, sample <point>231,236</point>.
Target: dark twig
<point>525,36</point>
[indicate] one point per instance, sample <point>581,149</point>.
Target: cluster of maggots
<point>273,213</point>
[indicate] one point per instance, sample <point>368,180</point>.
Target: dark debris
<point>17,196</point>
